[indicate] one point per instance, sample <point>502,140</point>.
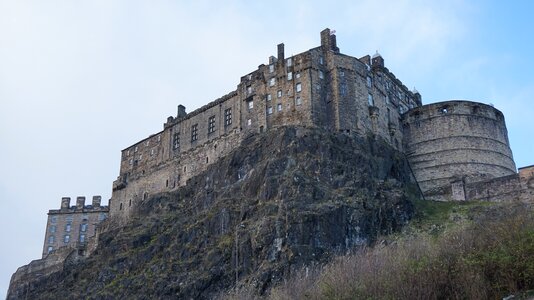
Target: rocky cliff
<point>285,198</point>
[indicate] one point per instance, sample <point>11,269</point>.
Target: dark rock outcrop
<point>283,199</point>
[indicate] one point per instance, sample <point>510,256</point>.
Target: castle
<point>457,150</point>
<point>450,145</point>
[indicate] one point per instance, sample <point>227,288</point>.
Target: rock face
<point>283,199</point>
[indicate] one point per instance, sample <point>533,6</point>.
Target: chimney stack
<point>280,52</point>
<point>80,202</point>
<point>181,111</point>
<point>96,201</point>
<point>65,202</point>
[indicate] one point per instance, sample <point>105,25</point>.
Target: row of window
<point>147,143</point>
<point>211,127</point>
<point>83,227</point>
<point>298,101</point>
<point>272,81</point>
<point>66,239</point>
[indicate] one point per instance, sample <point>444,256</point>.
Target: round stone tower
<point>456,142</point>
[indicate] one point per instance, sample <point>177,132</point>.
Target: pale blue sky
<point>81,80</point>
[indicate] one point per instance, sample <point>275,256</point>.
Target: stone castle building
<point>317,88</point>
<point>73,226</point>
<point>457,150</point>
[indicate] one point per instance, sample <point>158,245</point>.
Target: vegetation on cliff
<point>284,199</point>
<point>450,251</point>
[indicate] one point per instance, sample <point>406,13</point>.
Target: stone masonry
<point>317,88</point>
<point>73,226</point>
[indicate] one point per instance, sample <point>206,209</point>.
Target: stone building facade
<point>457,149</point>
<point>317,88</point>
<point>73,226</point>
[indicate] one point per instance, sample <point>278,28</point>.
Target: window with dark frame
<point>228,117</point>
<point>194,132</point>
<point>211,124</point>
<point>176,141</point>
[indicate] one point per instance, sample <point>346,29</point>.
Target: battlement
<point>80,205</point>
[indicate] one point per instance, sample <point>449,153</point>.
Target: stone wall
<point>71,226</point>
<point>456,140</point>
<point>317,88</point>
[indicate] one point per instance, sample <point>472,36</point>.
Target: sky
<point>81,80</point>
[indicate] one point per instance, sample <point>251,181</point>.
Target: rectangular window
<point>279,94</point>
<point>152,151</point>
<point>370,100</point>
<point>227,116</point>
<point>67,227</point>
<point>321,60</point>
<point>211,124</point>
<point>176,141</point>
<point>50,248</point>
<point>321,74</point>
<point>82,238</point>
<point>83,227</point>
<point>297,75</point>
<point>289,75</point>
<point>279,106</point>
<point>289,62</point>
<point>369,81</point>
<point>249,122</point>
<point>194,132</point>
<point>272,81</point>
<point>298,101</point>
<point>249,90</point>
<point>135,149</point>
<point>250,104</point>
<point>341,73</point>
<point>269,97</point>
<point>52,228</point>
<point>269,110</point>
<point>387,99</point>
<point>67,238</point>
<point>299,87</point>
<point>343,89</point>
<point>271,68</point>
<point>51,239</point>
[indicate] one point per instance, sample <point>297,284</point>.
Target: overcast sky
<point>81,80</point>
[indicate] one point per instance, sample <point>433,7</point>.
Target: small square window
<point>52,228</point>
<point>297,75</point>
<point>299,87</point>
<point>272,81</point>
<point>250,104</point>
<point>51,239</point>
<point>279,106</point>
<point>289,75</point>
<point>298,101</point>
<point>279,93</point>
<point>342,73</point>
<point>269,110</point>
<point>50,248</point>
